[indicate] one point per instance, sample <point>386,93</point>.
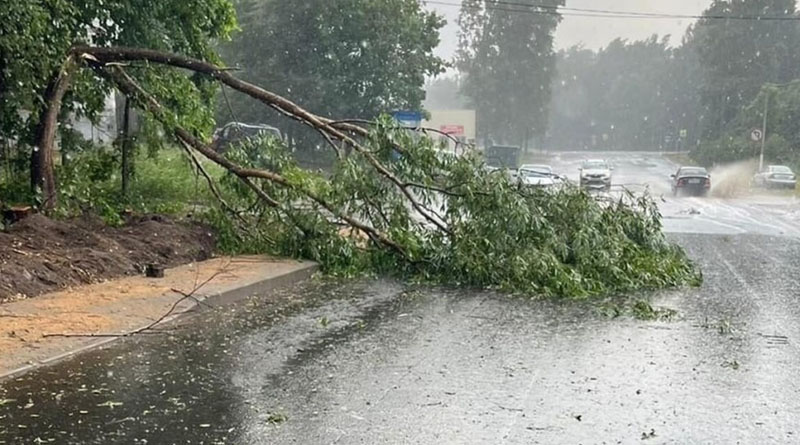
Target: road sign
<point>408,118</point>
<point>756,135</point>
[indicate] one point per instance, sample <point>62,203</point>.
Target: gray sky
<point>597,32</point>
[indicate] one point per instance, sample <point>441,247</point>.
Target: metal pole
<point>763,133</point>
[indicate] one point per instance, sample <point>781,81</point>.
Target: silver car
<point>596,175</point>
<point>775,176</point>
<point>541,176</point>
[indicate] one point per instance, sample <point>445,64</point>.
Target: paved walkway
<point>127,304</point>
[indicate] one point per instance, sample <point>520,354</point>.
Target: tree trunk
<point>127,149</point>
<point>42,172</point>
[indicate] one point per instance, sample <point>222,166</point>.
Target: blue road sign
<point>408,118</point>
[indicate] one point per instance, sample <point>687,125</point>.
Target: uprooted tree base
<point>414,211</point>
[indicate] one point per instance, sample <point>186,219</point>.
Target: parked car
<point>775,176</point>
<point>234,132</point>
<point>691,181</point>
<point>502,156</point>
<point>596,174</point>
<point>538,176</point>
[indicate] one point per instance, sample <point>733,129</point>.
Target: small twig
<point>331,142</point>
<point>143,330</point>
<point>210,181</point>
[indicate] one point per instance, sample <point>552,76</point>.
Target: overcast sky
<point>597,32</point>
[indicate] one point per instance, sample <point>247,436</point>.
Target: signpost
<point>757,136</point>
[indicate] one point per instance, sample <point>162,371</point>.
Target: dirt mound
<point>40,255</point>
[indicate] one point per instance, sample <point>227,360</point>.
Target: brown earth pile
<point>40,255</point>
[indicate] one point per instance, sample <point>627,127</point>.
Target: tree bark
<point>126,144</point>
<point>42,171</point>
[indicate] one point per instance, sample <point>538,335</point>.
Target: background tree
<point>35,37</point>
<point>783,130</point>
<point>506,54</point>
<point>739,56</point>
<point>628,95</point>
<point>354,58</point>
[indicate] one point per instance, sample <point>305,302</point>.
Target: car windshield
<point>535,173</point>
<point>693,171</point>
<point>237,131</point>
<point>595,165</point>
<point>503,156</point>
<point>780,169</point>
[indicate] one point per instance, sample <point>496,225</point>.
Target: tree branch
<point>107,55</point>
<point>132,89</point>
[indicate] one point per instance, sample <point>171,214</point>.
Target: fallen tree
<point>414,211</point>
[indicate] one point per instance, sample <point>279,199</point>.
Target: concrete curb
<point>227,295</point>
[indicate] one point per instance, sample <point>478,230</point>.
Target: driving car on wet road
<point>691,181</point>
<point>596,175</point>
<point>539,176</point>
<point>775,176</point>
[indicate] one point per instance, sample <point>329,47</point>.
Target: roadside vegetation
<point>389,201</point>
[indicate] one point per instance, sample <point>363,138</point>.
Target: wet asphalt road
<point>376,362</point>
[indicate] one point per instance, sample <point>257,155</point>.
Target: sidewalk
<point>127,304</point>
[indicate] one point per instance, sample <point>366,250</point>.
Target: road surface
<point>376,362</point>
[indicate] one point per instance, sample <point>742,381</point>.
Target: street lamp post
<point>770,87</point>
<point>763,133</point>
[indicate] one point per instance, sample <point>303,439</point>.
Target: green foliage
<point>628,95</point>
<point>642,94</point>
<point>351,58</point>
<point>738,57</point>
<point>36,35</point>
<point>783,130</point>
<point>558,243</point>
<point>508,62</point>
<point>166,183</point>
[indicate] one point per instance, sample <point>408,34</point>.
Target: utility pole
<point>763,133</point>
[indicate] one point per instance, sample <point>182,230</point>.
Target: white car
<point>596,175</point>
<point>776,176</point>
<point>534,175</point>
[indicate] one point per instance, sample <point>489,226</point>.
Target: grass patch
<point>164,182</point>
